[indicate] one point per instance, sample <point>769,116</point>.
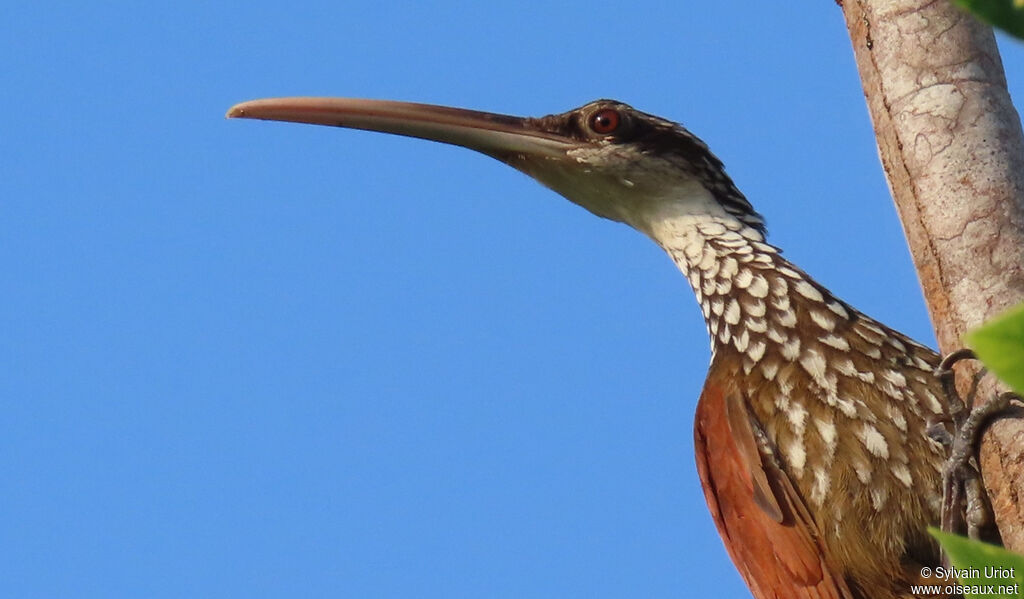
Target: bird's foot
<point>965,505</point>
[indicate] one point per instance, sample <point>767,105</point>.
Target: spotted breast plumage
<point>810,432</point>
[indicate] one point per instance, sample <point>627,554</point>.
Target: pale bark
<point>952,149</point>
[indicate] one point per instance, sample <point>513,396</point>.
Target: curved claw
<point>964,501</point>
<point>947,376</point>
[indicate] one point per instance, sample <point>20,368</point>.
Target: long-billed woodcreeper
<point>810,433</point>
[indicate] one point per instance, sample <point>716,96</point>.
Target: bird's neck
<point>752,298</point>
<point>808,365</point>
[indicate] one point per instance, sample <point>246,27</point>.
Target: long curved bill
<point>497,135</point>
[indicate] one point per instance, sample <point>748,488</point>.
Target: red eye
<point>605,121</point>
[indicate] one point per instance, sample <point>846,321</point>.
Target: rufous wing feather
<point>763,521</point>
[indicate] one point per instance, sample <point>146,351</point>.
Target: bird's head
<point>615,161</point>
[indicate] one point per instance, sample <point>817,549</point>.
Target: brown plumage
<point>810,431</point>
<point>811,438</point>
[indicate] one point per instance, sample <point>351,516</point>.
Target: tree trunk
<point>952,149</point>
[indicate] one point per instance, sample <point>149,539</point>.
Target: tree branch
<point>953,152</point>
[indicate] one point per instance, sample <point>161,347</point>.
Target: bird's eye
<point>605,121</point>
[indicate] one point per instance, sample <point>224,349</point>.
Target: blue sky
<point>247,359</point>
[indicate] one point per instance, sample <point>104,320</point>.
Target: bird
<point>811,431</point>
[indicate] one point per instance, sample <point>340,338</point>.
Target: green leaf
<point>1000,345</point>
<point>1007,15</point>
<point>977,565</point>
